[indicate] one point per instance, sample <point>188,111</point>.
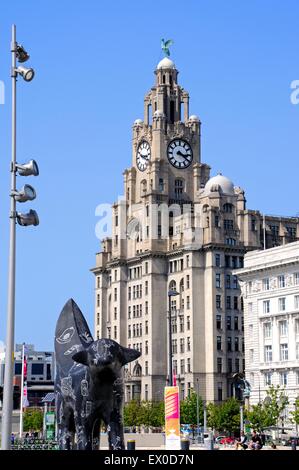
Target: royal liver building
<point>177,228</point>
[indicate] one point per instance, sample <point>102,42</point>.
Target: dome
<point>220,182</point>
<point>166,64</point>
<point>194,118</point>
<point>158,113</point>
<point>138,122</point>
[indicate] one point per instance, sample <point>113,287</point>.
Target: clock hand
<point>181,154</point>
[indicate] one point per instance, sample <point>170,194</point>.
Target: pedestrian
<point>12,439</point>
<point>242,442</point>
<point>256,442</point>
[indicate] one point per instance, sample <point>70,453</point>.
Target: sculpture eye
<point>66,336</point>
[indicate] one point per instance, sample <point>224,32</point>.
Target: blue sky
<point>94,62</point>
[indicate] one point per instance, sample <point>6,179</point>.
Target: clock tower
<point>177,228</point>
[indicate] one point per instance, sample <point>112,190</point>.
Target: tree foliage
<point>224,417</point>
<point>188,409</point>
<point>33,419</point>
<point>295,413</point>
<point>268,412</point>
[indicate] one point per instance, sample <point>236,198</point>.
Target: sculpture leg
<point>84,435</point>
<point>116,434</point>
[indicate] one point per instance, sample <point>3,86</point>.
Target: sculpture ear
<point>81,357</point>
<point>129,355</point>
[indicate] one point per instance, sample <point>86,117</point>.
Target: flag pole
<point>22,392</point>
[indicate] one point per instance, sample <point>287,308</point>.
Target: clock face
<point>143,155</point>
<point>179,154</point>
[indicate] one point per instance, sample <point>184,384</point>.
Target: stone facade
<point>270,288</point>
<point>178,228</point>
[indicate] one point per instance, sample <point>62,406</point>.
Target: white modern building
<point>270,286</point>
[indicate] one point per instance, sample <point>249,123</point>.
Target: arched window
<point>228,208</point>
<point>137,371</point>
<point>163,79</point>
<point>182,285</point>
<point>172,285</point>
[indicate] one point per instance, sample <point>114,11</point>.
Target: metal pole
<point>197,406</point>
<point>22,392</point>
<point>205,418</point>
<point>9,351</point>
<point>170,342</point>
<point>241,419</point>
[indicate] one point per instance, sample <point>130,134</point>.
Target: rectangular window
<point>284,352</point>
<point>188,323</point>
<point>188,302</point>
<point>296,279</point>
<point>218,343</point>
<point>229,365</point>
<point>227,281</point>
<point>146,287</point>
<point>115,332</point>
<point>146,307</point>
<point>216,220</point>
<point>251,353</point>
<point>146,327</point>
<point>268,379</point>
<point>188,282</point>
<point>237,365</point>
<point>218,280</point>
<point>98,300</point>
<point>283,328</point>
<point>228,302</point>
<point>182,366</point>
<point>235,282</point>
<point>234,262</point>
<point>227,261</point>
<point>267,330</point>
<point>219,365</point>
<point>296,302</point>
<point>228,224</point>
<point>236,323</point>
<point>218,322</point>
<point>283,378</point>
<point>115,313</point>
<point>236,344</point>
<point>235,303</point>
<point>161,184</point>
<point>268,353</point>
<point>219,391</point>
<point>266,284</point>
<point>115,293</point>
<point>281,304</point>
<point>297,350</point>
<point>229,343</point>
<point>146,368</point>
<point>188,344</point>
<point>217,260</point>
<point>98,282</point>
<point>218,301</point>
<point>281,281</point>
<point>98,318</point>
<point>266,306</point>
<point>229,322</point>
<point>188,364</point>
<point>187,261</point>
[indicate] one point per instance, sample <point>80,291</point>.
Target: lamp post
<point>171,293</point>
<point>27,193</point>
